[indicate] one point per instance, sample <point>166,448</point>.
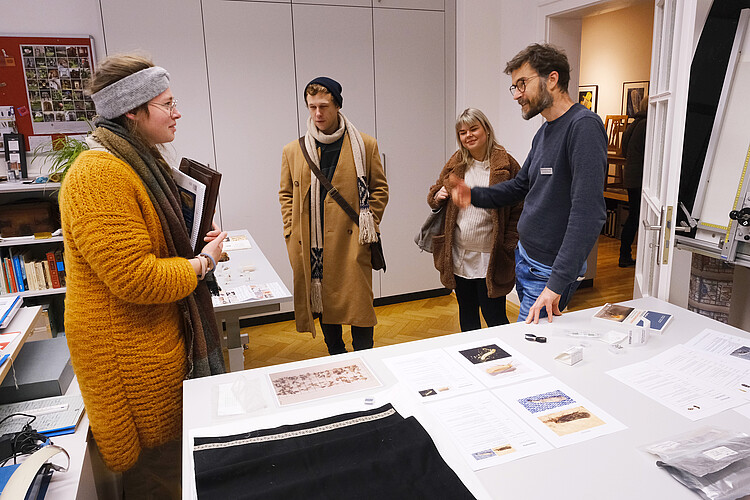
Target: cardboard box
<point>43,370</point>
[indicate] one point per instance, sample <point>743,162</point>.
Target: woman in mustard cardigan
<point>475,252</point>
<point>138,318</point>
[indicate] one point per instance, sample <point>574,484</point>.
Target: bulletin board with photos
<point>45,78</point>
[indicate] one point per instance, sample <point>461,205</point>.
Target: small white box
<point>570,356</point>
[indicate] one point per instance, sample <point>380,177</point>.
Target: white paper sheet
<point>727,373</point>
<point>558,413</point>
<point>432,375</point>
<point>721,344</point>
<point>485,430</point>
<point>677,392</point>
<point>192,193</point>
<point>495,363</point>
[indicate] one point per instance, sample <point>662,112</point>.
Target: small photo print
<point>481,455</point>
<point>614,312</point>
<point>571,420</point>
<point>27,51</point>
<point>503,450</point>
<point>546,401</point>
<point>427,392</point>
<point>742,353</point>
<point>478,355</point>
<point>502,368</point>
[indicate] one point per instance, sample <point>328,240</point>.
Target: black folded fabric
<point>361,455</point>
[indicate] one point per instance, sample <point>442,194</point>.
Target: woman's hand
<point>215,246</point>
<point>442,195</point>
<point>213,233</point>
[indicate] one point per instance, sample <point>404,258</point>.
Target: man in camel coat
<point>328,252</point>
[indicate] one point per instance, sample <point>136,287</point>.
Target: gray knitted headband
<point>130,92</point>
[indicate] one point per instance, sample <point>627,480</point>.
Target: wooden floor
<point>277,343</point>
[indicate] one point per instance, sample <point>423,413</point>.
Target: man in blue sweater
<point>561,184</point>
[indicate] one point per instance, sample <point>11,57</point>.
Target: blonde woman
<point>475,252</point>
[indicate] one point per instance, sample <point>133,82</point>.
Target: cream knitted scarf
<point>367,233</point>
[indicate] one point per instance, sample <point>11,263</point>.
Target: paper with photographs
<point>558,413</point>
<point>246,293</point>
<point>56,76</point>
<point>721,344</point>
<point>432,375</point>
<point>485,430</point>
<point>494,362</point>
<point>322,381</point>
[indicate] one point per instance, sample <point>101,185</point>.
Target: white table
<point>230,314</point>
<point>78,481</point>
<point>23,322</point>
<point>609,467</point>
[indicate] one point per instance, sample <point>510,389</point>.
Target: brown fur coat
<point>501,271</point>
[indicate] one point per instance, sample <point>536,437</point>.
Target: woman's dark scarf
<point>201,334</point>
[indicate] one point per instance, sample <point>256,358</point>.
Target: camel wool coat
<point>347,272</point>
<point>501,274</point>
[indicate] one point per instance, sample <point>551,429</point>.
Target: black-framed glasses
<point>520,85</point>
<point>169,107</point>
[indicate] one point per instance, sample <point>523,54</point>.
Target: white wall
<point>54,17</point>
<point>488,34</point>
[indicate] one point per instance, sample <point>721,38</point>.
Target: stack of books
<point>31,270</point>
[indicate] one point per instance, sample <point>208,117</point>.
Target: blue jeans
<point>531,278</point>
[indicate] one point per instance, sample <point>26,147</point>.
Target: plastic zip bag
<point>715,463</point>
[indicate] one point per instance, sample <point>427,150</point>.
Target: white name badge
<point>545,170</point>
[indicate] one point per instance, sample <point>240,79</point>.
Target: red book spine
<point>10,272</point>
<point>53,269</point>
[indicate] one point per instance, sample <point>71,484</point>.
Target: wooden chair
<point>615,127</point>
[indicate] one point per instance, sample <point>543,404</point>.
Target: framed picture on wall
<point>632,95</point>
<point>588,96</point>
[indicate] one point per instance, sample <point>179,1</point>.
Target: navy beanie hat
<point>332,85</point>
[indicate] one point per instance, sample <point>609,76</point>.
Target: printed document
<point>485,430</point>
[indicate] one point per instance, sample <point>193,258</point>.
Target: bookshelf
<point>39,294</point>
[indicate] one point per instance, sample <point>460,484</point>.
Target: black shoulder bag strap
<point>332,191</point>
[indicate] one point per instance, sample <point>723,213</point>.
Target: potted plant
<point>60,154</point>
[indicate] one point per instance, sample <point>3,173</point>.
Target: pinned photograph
<point>571,421</point>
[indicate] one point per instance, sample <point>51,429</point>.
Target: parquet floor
<point>277,343</point>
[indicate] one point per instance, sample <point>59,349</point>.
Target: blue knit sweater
<point>561,183</point>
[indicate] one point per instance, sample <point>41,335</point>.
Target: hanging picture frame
<point>588,95</point>
<point>632,94</point>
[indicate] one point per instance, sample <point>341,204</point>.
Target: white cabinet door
<point>337,42</point>
<point>251,66</point>
<point>410,81</point>
<point>410,4</point>
<point>173,36</point>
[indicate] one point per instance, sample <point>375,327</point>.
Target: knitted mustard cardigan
<point>122,322</point>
